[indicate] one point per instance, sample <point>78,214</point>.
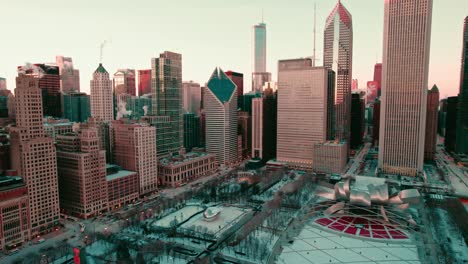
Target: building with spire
<point>432,112</point>
<point>462,118</point>
<point>102,102</point>
<point>259,75</point>
<point>338,56</point>
<point>221,117</point>
<point>404,95</point>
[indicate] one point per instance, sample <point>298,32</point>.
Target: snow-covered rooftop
<point>119,174</point>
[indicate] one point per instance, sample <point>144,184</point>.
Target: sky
<point>208,33</point>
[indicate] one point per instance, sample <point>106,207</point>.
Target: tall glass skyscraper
<point>338,56</point>
<point>462,120</point>
<point>166,83</point>
<point>259,74</point>
<point>407,36</point>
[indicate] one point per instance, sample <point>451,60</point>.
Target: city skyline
<point>140,44</point>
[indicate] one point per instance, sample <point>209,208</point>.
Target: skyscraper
<point>102,103</point>
<point>82,173</point>
<point>270,114</point>
<point>33,156</point>
<point>192,97</point>
<point>303,98</point>
<point>3,85</point>
<point>221,117</point>
<point>144,82</point>
<point>69,77</point>
<point>238,79</point>
<point>259,74</point>
<point>76,106</point>
<point>462,119</point>
<point>378,77</point>
<point>431,123</point>
<point>166,83</point>
<point>451,123</point>
<point>257,128</point>
<point>191,131</point>
<point>403,107</point>
<point>376,122</point>
<point>49,83</point>
<point>338,56</point>
<point>124,82</point>
<point>357,120</point>
<point>135,151</point>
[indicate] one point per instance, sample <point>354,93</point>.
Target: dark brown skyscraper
<point>431,123</point>
<point>378,76</point>
<point>238,80</point>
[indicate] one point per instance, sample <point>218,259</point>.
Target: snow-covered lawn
<point>268,194</point>
<point>228,217</point>
<point>255,248</point>
<point>180,215</point>
<point>99,248</point>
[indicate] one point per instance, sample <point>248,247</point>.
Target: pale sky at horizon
<point>208,34</point>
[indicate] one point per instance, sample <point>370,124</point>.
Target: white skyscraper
<point>192,96</point>
<point>220,102</point>
<point>303,111</point>
<point>102,102</point>
<point>259,74</point>
<point>407,34</point>
<point>257,128</point>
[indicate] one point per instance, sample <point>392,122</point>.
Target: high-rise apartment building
<point>76,106</point>
<point>338,56</point>
<point>82,173</point>
<point>144,82</point>
<point>358,108</point>
<point>270,114</point>
<point>33,156</point>
<point>431,123</point>
<point>376,122</point>
<point>124,82</point>
<point>166,83</point>
<point>221,118</point>
<point>69,76</point>
<point>244,129</point>
<point>191,131</point>
<point>49,83</point>
<point>102,102</point>
<point>378,77</point>
<point>303,111</point>
<point>451,123</point>
<point>192,97</point>
<point>238,79</point>
<point>259,74</point>
<point>407,34</point>
<point>462,119</point>
<point>135,150</point>
<point>257,128</point>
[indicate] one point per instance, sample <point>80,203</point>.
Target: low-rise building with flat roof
<point>179,169</point>
<point>122,186</point>
<point>14,213</point>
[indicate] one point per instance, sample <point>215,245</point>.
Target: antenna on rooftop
<point>101,47</point>
<point>315,20</point>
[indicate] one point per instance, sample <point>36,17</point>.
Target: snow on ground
<point>316,245</point>
<point>229,216</point>
<point>181,215</point>
<point>268,194</point>
<point>259,240</point>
